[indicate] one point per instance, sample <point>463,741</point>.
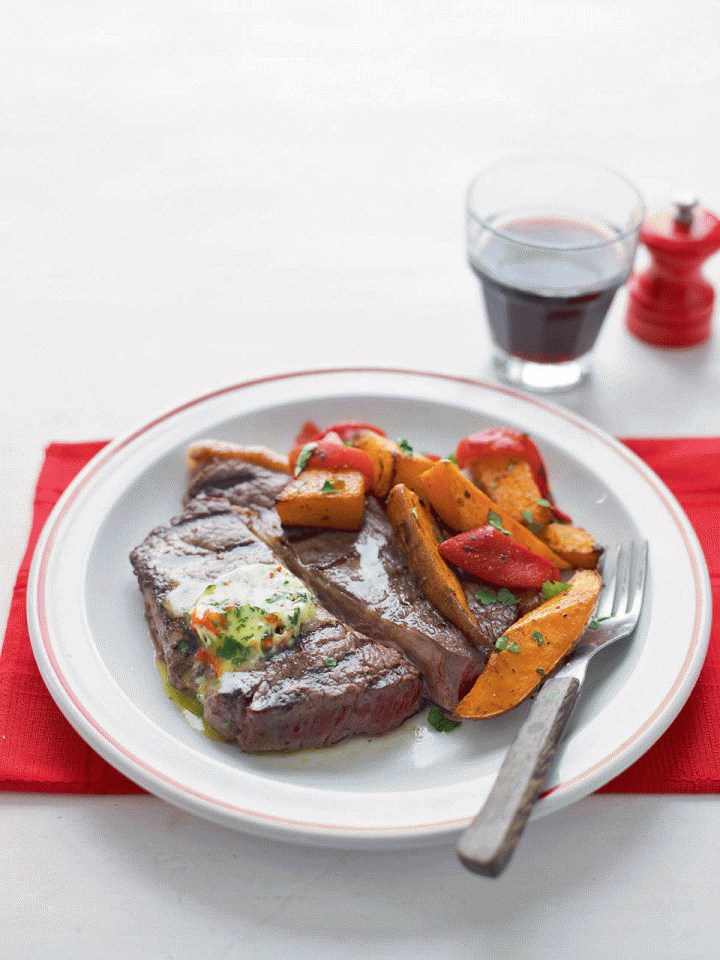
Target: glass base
<point>542,377</point>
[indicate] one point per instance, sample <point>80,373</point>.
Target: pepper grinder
<point>670,304</point>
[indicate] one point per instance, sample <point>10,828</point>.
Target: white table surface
<point>195,194</point>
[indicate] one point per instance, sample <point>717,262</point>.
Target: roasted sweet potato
<point>573,544</point>
<point>392,464</point>
<point>322,498</point>
<point>463,506</point>
<point>409,468</point>
<point>203,450</point>
<point>511,485</point>
<point>531,648</point>
<point>383,453</point>
<point>415,534</point>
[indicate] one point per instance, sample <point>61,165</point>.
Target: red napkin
<point>39,750</point>
<point>686,759</point>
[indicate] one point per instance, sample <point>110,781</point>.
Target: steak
<point>243,484</point>
<point>333,684</point>
<point>361,578</point>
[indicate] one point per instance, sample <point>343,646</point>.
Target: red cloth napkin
<point>39,750</point>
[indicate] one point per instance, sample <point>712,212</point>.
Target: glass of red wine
<point>551,241</point>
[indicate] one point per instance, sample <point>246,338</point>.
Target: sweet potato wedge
<point>203,450</point>
<point>573,544</point>
<point>533,646</point>
<point>392,464</point>
<point>415,534</point>
<point>322,498</point>
<point>511,485</point>
<point>463,506</point>
<point>409,468</point>
<point>383,453</point>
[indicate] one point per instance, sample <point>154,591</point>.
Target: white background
<point>195,194</point>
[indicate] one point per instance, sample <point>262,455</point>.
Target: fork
<point>485,847</point>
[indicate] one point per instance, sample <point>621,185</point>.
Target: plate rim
<point>299,830</point>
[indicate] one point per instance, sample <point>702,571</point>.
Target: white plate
<point>414,786</point>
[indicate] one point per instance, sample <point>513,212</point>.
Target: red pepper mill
<point>670,304</point>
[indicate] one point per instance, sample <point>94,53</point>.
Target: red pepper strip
<point>309,431</point>
<point>507,440</point>
<point>346,428</point>
<point>491,555</point>
<point>209,657</point>
<point>327,455</point>
<point>559,514</point>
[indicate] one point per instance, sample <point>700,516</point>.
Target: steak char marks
<point>334,683</point>
<point>362,579</point>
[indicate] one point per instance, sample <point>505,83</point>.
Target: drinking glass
<point>551,240</point>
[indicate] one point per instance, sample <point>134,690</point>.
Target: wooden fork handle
<point>486,846</point>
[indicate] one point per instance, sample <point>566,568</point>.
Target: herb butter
<point>252,613</point>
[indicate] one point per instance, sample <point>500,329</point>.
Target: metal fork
<point>486,846</point>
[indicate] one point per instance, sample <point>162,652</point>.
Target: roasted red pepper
<point>503,440</point>
<point>308,431</point>
<point>509,442</point>
<point>490,555</point>
<point>329,455</point>
<point>345,429</point>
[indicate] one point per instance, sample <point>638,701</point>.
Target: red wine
<point>548,283</point>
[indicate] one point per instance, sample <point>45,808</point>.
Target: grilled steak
<point>334,683</point>
<point>362,579</point>
<point>243,484</point>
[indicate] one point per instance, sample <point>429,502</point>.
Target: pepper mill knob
<point>670,304</point>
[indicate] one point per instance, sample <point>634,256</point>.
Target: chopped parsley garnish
<point>438,720</point>
<point>405,447</point>
<point>551,588</point>
<point>495,520</point>
<point>485,596</point>
<point>329,487</point>
<point>513,647</point>
<point>501,643</point>
<point>531,524</point>
<point>304,457</point>
<point>504,596</point>
<point>540,671</point>
<point>539,637</point>
<point>595,623</point>
<point>330,662</point>
<point>543,503</point>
